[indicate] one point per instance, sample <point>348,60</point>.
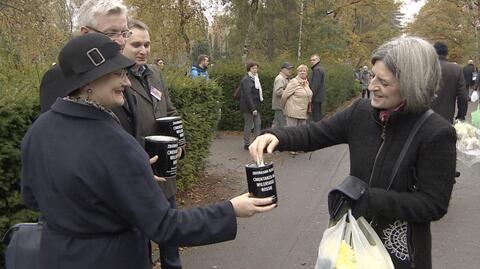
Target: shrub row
<point>198,102</point>
<point>340,86</point>
<point>19,105</point>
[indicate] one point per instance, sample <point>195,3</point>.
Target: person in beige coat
<point>296,98</point>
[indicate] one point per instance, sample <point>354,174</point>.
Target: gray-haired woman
<point>406,73</point>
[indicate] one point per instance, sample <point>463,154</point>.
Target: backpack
<point>237,93</point>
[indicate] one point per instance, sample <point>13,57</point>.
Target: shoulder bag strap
<point>409,140</point>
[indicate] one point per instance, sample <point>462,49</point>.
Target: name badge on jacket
<point>156,93</point>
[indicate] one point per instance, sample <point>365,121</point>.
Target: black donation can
<point>166,149</point>
<point>261,180</point>
<point>172,126</point>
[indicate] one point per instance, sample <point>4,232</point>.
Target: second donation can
<point>166,149</point>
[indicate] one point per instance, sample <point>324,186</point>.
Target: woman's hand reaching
<point>246,206</point>
<point>258,146</point>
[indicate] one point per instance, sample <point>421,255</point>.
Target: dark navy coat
<point>92,182</point>
<point>317,83</point>
<point>249,95</point>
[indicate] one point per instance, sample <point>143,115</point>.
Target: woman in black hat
<point>92,181</point>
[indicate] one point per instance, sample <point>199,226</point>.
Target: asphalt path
<point>288,237</point>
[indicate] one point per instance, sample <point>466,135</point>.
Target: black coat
<point>249,95</point>
<point>127,113</point>
<point>317,83</point>
<point>468,74</point>
<point>429,165</point>
<point>452,90</point>
<point>51,87</point>
<point>93,184</point>
<point>148,108</point>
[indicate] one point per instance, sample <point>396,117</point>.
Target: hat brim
<point>110,65</point>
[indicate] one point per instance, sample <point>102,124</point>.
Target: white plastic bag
<point>361,247</point>
<point>330,245</point>
<point>369,249</point>
<point>474,96</point>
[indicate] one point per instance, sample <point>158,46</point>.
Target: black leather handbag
<point>22,243</point>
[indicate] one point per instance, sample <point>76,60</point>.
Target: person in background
<point>452,88</point>
<point>296,99</point>
<point>279,86</point>
<point>406,74</point>
<point>153,101</point>
<point>468,74</point>
<point>364,81</point>
<point>317,85</point>
<point>92,181</point>
<point>201,68</point>
<point>107,17</point>
<point>251,98</point>
<point>160,63</point>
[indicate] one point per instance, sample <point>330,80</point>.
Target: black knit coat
<point>421,190</point>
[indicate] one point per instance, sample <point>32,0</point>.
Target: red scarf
<point>385,114</point>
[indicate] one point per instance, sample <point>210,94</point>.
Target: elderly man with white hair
<point>107,17</point>
<point>364,81</point>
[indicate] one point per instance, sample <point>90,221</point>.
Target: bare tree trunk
<point>184,17</point>
<point>477,34</point>
<point>299,51</point>
<point>70,8</point>
<point>270,47</point>
<point>250,30</point>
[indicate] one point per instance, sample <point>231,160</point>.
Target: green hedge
<point>198,102</point>
<point>340,86</point>
<point>19,105</point>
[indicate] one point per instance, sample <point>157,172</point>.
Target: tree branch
<point>344,6</point>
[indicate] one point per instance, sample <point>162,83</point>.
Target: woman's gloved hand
<point>353,193</point>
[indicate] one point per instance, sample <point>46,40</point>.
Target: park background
<point>342,32</point>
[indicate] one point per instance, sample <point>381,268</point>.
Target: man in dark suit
<point>110,19</point>
<point>452,88</point>
<point>468,71</point>
<point>153,101</point>
<point>317,85</point>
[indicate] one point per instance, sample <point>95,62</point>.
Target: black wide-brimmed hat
<point>88,57</point>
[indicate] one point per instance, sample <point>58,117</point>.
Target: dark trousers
<point>316,111</point>
<point>251,122</point>
<point>169,256</point>
<point>365,92</point>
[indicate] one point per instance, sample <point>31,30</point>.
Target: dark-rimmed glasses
<point>124,33</point>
